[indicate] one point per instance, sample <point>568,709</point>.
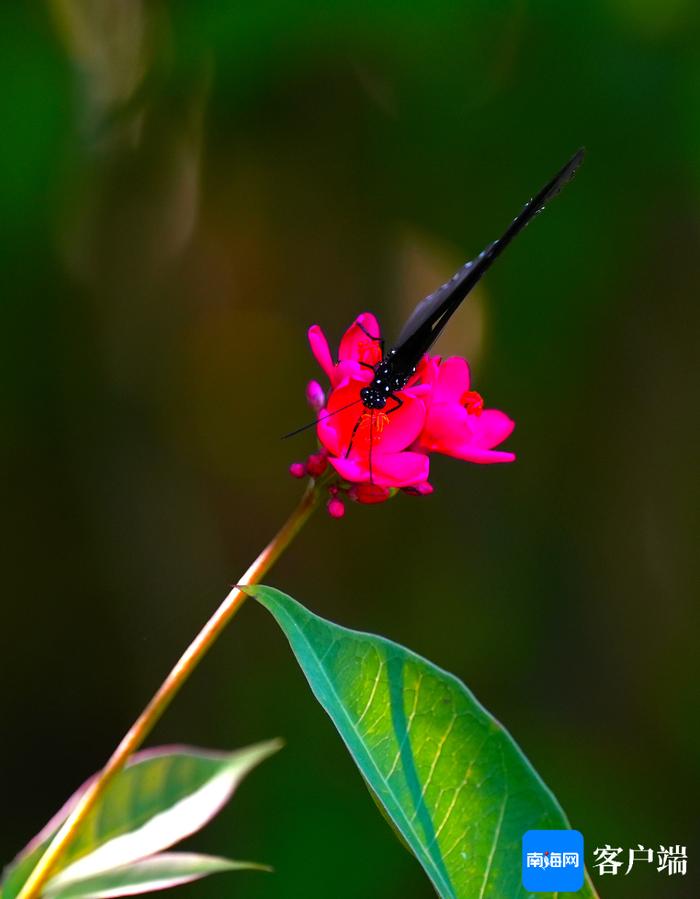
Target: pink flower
<point>374,453</point>
<point>355,439</point>
<point>457,424</point>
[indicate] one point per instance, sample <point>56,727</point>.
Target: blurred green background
<point>184,188</point>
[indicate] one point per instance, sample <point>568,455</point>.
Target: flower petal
<point>490,428</point>
<point>388,469</point>
<point>450,429</point>
<point>335,426</point>
<point>400,469</point>
<point>320,349</point>
<point>470,453</point>
<point>345,372</point>
<point>453,380</point>
<point>399,429</point>
<point>418,390</point>
<point>471,437</point>
<point>445,424</point>
<point>354,470</point>
<point>357,346</point>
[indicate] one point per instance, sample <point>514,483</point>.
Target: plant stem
<point>167,691</point>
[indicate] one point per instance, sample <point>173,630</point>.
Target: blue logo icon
<point>552,861</point>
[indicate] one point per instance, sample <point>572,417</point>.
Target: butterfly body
<point>390,376</point>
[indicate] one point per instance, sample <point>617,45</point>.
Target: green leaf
<point>452,780</point>
<point>160,872</point>
<point>162,796</point>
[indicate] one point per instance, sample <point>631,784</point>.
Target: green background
<point>184,188</point>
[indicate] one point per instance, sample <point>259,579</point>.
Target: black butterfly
<point>426,322</point>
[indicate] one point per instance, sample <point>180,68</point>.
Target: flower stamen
<point>377,420</point>
<point>473,402</point>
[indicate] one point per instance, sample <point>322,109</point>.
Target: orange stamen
<point>379,421</point>
<point>473,402</point>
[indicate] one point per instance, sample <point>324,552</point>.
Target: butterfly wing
<point>435,301</point>
<point>431,315</point>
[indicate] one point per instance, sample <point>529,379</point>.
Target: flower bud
<point>369,493</point>
<point>316,464</point>
<point>297,469</point>
<point>424,489</point>
<point>315,396</point>
<point>336,507</point>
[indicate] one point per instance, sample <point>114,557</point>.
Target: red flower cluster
<point>375,453</point>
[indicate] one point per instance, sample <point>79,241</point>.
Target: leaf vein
<point>499,826</point>
<point>372,693</point>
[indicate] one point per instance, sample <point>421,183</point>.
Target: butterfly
<point>427,321</point>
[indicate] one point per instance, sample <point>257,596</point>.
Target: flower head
<point>457,424</point>
<point>376,452</point>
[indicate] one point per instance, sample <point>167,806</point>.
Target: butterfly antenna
<point>312,424</point>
